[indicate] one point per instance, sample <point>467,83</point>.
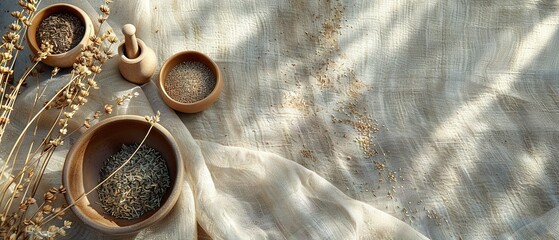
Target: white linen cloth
<point>353,119</point>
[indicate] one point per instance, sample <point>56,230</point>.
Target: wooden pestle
<point>131,49</point>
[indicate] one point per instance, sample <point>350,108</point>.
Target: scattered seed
<point>189,82</point>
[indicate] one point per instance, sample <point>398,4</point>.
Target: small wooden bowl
<point>66,59</point>
<point>86,157</point>
<point>195,106</point>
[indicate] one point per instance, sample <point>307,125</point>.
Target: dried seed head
<point>6,70</point>
<point>102,18</point>
<point>38,219</point>
<point>4,120</point>
<point>104,36</point>
<point>47,209</point>
<point>96,69</point>
<point>84,93</point>
<point>105,9</point>
<point>56,142</point>
<point>5,56</point>
<point>27,222</point>
<point>82,100</point>
<point>69,114</point>
<point>100,57</point>
<point>86,123</point>
<point>46,49</point>
<point>119,100</point>
<point>108,108</point>
<point>23,206</point>
<point>31,7</point>
<point>61,189</point>
<point>6,108</point>
<point>8,46</point>
<point>87,56</point>
<point>10,37</point>
<point>92,83</point>
<point>55,71</point>
<point>92,39</point>
<point>108,52</point>
<point>49,197</point>
<point>59,213</point>
<point>17,14</point>
<point>31,201</point>
<point>24,19</point>
<point>74,107</point>
<point>112,38</point>
<point>153,119</point>
<point>26,22</point>
<point>82,70</point>
<point>52,229</point>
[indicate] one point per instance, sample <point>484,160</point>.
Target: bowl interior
<point>87,157</point>
<point>185,57</point>
<point>44,13</point>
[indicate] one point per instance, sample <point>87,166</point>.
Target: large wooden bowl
<point>86,157</point>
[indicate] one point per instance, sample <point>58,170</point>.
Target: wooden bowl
<point>66,59</point>
<point>195,106</point>
<point>86,157</point>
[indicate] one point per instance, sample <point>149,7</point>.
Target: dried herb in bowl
<point>63,30</point>
<point>138,187</point>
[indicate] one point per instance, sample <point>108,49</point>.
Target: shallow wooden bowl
<point>195,106</point>
<point>86,157</point>
<point>66,59</point>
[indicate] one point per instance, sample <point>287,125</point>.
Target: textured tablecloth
<point>354,119</point>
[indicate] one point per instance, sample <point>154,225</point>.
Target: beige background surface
<point>357,119</point>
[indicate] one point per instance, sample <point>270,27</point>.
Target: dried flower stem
<point>12,98</point>
<point>74,80</point>
<point>12,44</point>
<point>37,159</point>
<point>20,137</point>
<point>25,182</point>
<point>33,155</point>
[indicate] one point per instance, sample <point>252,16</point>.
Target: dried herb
<point>63,30</point>
<point>138,187</point>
